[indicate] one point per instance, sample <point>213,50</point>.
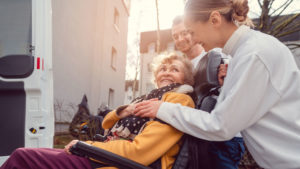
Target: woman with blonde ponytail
<point>261,94</point>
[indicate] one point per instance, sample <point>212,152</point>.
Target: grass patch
<point>61,140</point>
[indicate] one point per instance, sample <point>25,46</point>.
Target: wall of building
<point>84,34</point>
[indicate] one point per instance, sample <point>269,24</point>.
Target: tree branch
<point>258,1</point>
<point>285,6</point>
<point>293,26</point>
<point>278,28</point>
<point>280,19</point>
<point>271,3</point>
<point>287,33</point>
<point>264,17</point>
<point>293,44</point>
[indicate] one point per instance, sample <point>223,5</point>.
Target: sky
<point>143,18</point>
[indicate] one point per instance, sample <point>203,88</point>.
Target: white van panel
<point>39,86</point>
<point>39,114</point>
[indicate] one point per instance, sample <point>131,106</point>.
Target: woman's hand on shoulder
<point>147,108</point>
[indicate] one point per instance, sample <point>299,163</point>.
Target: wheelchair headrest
<point>214,60</point>
<point>206,75</point>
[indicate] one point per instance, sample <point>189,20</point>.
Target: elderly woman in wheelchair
<point>150,142</point>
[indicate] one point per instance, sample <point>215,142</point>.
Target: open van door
<point>26,85</point>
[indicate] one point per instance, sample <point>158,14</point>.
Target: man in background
<point>184,43</point>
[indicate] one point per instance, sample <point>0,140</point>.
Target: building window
<point>116,20</point>
<point>151,48</point>
<point>111,94</point>
<point>113,58</point>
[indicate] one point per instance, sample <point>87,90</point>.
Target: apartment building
<point>89,54</point>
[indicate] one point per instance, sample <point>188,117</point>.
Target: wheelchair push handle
<point>88,151</point>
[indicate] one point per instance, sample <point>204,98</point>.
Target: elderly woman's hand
<point>68,146</point>
<point>129,110</point>
<point>147,108</point>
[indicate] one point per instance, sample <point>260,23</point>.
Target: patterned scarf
<point>128,127</point>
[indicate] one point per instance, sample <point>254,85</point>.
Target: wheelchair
<point>206,90</point>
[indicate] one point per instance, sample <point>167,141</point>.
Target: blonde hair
<point>233,10</point>
<point>168,59</point>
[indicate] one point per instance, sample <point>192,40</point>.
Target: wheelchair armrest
<point>86,150</point>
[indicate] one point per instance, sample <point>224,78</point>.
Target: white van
<point>26,85</point>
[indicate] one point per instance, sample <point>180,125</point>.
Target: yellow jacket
<point>157,140</point>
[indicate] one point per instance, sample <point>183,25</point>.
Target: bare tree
<point>137,66</point>
<point>133,60</point>
<point>133,55</point>
<point>158,29</point>
<point>271,20</point>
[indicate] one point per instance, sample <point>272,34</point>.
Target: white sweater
<point>260,98</point>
